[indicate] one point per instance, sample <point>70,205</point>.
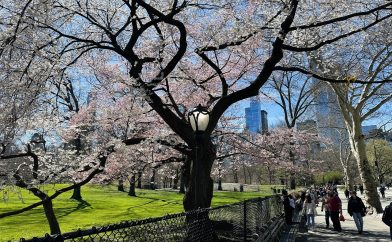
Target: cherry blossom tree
<point>92,167</point>
<point>218,52</point>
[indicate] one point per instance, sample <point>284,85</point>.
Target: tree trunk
<point>243,167</point>
<point>220,184</point>
<point>235,176</point>
<point>346,178</point>
<point>292,174</point>
<point>200,188</point>
<point>120,186</point>
<point>175,180</point>
<point>269,175</point>
<point>292,181</point>
<point>77,195</point>
<point>152,180</point>
<point>358,145</point>
<point>182,179</point>
<point>139,180</point>
<point>51,217</point>
<point>185,173</point>
<point>132,182</point>
<point>250,175</point>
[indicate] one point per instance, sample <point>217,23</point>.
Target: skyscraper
<point>264,121</point>
<point>252,116</point>
<point>256,119</point>
<point>330,121</point>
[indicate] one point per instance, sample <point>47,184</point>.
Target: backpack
<point>387,215</point>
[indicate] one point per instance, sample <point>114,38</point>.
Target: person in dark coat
<point>347,193</point>
<point>361,189</point>
<point>288,211</point>
<point>382,191</point>
<point>357,210</point>
<point>387,217</point>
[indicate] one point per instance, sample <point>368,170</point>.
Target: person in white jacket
<point>309,209</point>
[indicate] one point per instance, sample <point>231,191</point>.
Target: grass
<point>103,205</point>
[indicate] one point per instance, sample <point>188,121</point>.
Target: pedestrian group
<point>331,205</point>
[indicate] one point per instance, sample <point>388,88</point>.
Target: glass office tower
<point>256,119</point>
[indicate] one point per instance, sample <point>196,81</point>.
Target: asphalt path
<point>374,229</point>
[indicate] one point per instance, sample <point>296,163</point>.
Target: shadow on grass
<point>152,199</point>
<point>82,204</point>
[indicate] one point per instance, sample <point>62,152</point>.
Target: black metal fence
<point>250,220</point>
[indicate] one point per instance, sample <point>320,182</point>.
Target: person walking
<point>357,210</point>
<point>309,209</point>
<point>347,193</point>
<point>382,191</point>
<point>335,208</point>
<point>361,189</point>
<point>325,206</point>
<point>387,217</point>
<point>288,210</point>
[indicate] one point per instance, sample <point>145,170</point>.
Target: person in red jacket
<point>335,208</point>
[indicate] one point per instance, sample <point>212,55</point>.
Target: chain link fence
<point>250,220</point>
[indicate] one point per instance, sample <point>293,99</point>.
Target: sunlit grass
<point>102,205</point>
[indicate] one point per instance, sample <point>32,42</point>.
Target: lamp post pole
<point>198,118</point>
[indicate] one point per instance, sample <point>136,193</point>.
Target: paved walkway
<point>374,229</point>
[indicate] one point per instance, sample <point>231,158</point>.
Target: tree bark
<point>120,186</point>
<point>292,181</point>
<point>235,176</point>
<point>51,217</point>
<point>132,182</point>
<point>175,180</point>
<point>346,178</point>
<point>244,169</point>
<point>139,180</point>
<point>269,174</point>
<point>185,173</point>
<point>152,180</point>
<point>182,180</point>
<point>292,174</point>
<point>164,182</point>
<point>77,195</point>
<point>200,189</point>
<point>220,184</point>
<point>249,175</point>
<point>358,145</point>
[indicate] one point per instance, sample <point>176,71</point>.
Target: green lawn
<point>104,205</point>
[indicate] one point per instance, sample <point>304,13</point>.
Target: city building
<point>256,120</point>
<point>369,129</point>
<point>264,121</point>
<point>252,116</point>
<point>310,126</point>
<point>329,118</point>
<point>307,125</point>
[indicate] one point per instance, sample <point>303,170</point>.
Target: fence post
<point>245,221</point>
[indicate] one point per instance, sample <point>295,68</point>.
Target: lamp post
<point>198,118</point>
